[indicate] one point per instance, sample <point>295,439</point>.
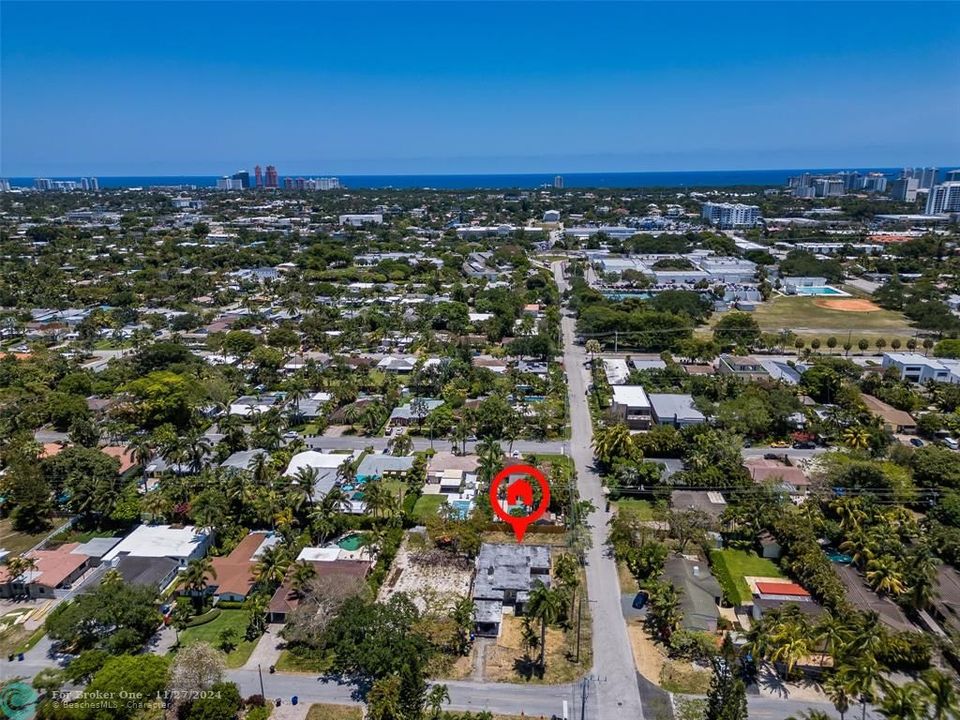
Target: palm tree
<point>459,435</point>
<point>155,505</point>
<point>593,349</point>
<point>906,702</point>
<point>856,437</point>
<point>612,442</point>
<point>304,480</point>
<point>437,696</point>
<point>831,634</point>
<point>303,573</point>
<point>273,565</point>
<point>197,449</point>
<point>18,567</point>
<point>884,578</point>
<point>942,694</point>
<point>195,579</point>
<point>141,450</point>
<point>376,498</point>
<point>566,569</point>
<point>859,680</point>
<point>547,606</point>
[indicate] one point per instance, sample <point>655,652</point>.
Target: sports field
<point>818,317</point>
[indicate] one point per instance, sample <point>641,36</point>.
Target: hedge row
<point>721,571</point>
<point>207,617</point>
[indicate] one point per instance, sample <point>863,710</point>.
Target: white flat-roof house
<point>920,369</point>
<point>181,544</point>
<point>632,406</point>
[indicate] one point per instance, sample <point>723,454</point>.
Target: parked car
<point>640,600</point>
<point>772,456</point>
<point>291,435</point>
<point>951,443</point>
<point>916,442</point>
<point>779,444</point>
<point>804,445</point>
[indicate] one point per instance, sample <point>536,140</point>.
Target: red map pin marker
<point>520,489</point>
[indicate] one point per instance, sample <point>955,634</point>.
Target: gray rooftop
<point>510,567</point>
<point>241,460</point>
<point>378,465</point>
<point>675,407</point>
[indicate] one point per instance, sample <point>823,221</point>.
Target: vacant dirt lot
<point>433,579</point>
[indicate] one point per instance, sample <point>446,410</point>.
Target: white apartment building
<point>729,215</point>
<point>944,198</point>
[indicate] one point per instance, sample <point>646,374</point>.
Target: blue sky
<point>141,88</point>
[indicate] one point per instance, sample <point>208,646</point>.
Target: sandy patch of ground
<point>847,304</point>
<point>646,655</point>
<point>501,661</point>
<point>433,579</point>
<point>336,430</point>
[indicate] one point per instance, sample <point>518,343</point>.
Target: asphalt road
<point>616,695</point>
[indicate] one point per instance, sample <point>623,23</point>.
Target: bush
<point>207,617</point>
<point>223,703</point>
<point>692,645</point>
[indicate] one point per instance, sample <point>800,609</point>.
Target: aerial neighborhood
<point>248,434</point>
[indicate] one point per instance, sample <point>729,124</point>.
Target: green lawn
<point>641,508</point>
<point>427,507</point>
<point>804,317</point>
<point>326,711</point>
<point>16,542</point>
<point>731,566</point>
<point>289,662</point>
<point>237,620</point>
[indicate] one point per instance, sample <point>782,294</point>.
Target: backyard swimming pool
<point>821,290</point>
<point>350,542</point>
<point>462,507</point>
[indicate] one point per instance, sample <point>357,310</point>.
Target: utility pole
<point>616,341</point>
<point>579,618</point>
<point>262,693</point>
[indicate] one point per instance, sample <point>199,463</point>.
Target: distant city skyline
<point>117,89</point>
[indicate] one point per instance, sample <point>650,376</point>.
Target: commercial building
<point>944,198</point>
<point>730,215</point>
<point>918,368</point>
<point>360,219</point>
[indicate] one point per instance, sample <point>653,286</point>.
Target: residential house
<point>504,577</point>
<point>407,414</point>
<point>327,466</point>
<point>632,406</point>
<point>181,544</point>
<point>700,593</point>
<point>242,459</point>
<point>790,477</point>
<point>710,502</point>
<point>342,572</point>
<point>248,405</point>
<point>55,569</point>
<point>376,467</point>
<point>675,409</point>
<point>745,367</point>
<point>895,421</point>
<point>233,578</point>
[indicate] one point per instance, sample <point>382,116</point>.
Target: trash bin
<point>20,657</point>
<point>294,700</point>
<point>279,702</point>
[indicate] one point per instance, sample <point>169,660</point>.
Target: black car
<point>804,445</point>
<point>640,601</point>
<point>916,442</point>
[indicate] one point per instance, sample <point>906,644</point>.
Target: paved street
<point>617,693</point>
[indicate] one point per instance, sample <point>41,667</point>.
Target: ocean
<point>682,179</point>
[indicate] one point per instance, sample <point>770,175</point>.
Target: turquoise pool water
<point>819,290</point>
<point>839,557</point>
<point>462,506</point>
<point>350,542</point>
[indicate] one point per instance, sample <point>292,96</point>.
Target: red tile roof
<point>781,588</point>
